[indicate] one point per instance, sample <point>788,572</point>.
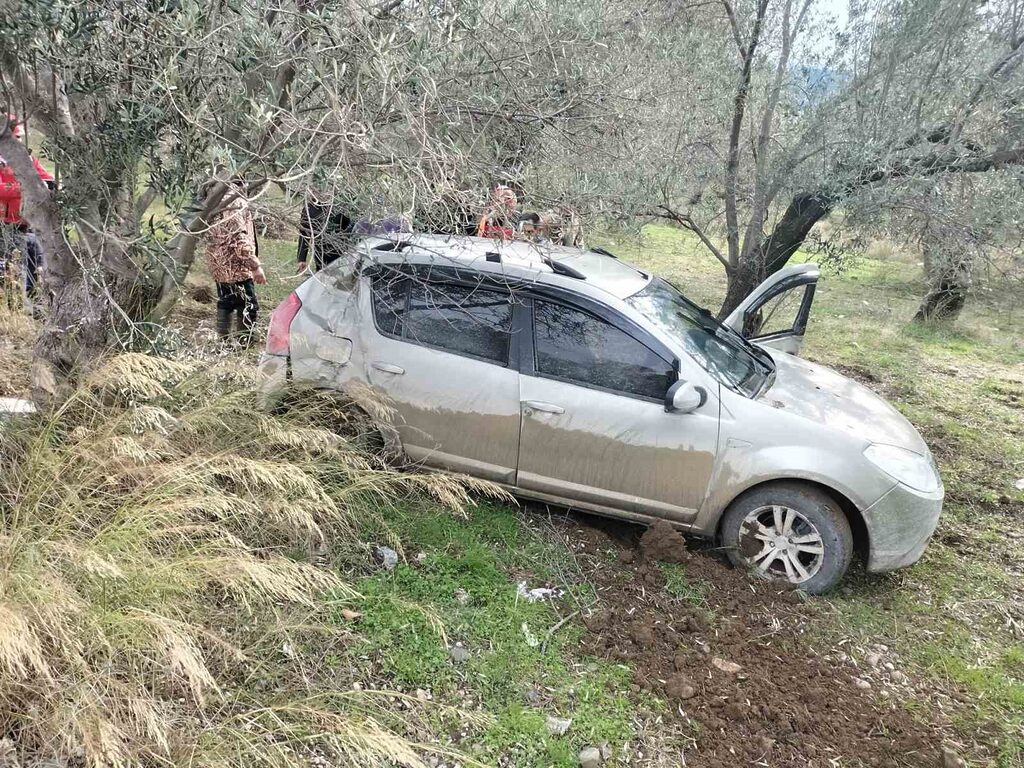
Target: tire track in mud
<point>739,665</point>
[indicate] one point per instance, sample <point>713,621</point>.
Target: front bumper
<point>900,525</point>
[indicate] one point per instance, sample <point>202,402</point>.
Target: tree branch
<point>684,220</point>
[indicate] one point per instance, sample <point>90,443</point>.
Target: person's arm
<point>43,174</point>
<point>10,190</point>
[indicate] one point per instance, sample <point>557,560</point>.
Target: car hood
<point>831,399</point>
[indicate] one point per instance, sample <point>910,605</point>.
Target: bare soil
<point>739,665</point>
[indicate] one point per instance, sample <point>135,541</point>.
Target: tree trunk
<point>774,251</point>
<point>949,282</point>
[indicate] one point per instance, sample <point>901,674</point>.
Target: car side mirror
<point>684,397</point>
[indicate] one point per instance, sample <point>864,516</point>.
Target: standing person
<point>501,219</point>
<point>10,211</point>
<point>324,230</point>
<point>232,254</point>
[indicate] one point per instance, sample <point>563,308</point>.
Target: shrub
<point>158,601</point>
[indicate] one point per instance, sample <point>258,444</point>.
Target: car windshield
<point>718,349</point>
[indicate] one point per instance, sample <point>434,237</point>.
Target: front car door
<point>775,314</point>
<point>595,430</point>
<point>441,350</point>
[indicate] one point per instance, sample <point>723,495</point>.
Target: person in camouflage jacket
<point>232,254</point>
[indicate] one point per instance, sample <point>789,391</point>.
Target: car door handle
<point>389,368</point>
<point>537,405</point>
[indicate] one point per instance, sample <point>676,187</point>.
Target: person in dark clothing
<point>324,234</point>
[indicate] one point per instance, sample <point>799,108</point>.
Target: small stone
<point>349,615</point>
<point>421,557</point>
<point>861,683</point>
<point>459,654</point>
<point>533,697</point>
<point>461,596</point>
<point>385,557</point>
<point>423,695</point>
<point>950,759</point>
<point>889,666</point>
<point>590,757</point>
<point>606,750</point>
<point>873,659</point>
<point>899,677</point>
<point>679,687</point>
<point>557,726</point>
<point>1019,485</point>
<point>729,667</point>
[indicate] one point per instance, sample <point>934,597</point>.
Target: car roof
<point>559,264</point>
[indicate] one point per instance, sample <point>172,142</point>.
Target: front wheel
<point>789,532</point>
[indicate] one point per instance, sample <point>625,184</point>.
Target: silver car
<point>571,377</point>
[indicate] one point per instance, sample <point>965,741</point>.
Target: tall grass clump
<point>158,604</point>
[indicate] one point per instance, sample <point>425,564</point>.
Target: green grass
<point>519,670</point>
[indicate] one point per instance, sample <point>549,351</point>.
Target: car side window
<point>389,295</point>
<point>780,314</point>
<point>575,346</point>
<point>458,318</point>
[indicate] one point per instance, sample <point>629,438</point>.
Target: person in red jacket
<point>10,211</point>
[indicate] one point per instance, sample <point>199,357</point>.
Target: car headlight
<point>908,467</point>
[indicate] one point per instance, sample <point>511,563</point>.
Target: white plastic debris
<point>531,639</point>
<point>537,593</point>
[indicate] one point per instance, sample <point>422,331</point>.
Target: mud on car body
<point>574,378</point>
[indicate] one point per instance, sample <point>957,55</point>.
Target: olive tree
<point>771,116</point>
<point>399,104</point>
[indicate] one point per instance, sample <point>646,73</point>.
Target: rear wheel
<point>789,532</point>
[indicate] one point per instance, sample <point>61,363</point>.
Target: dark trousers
<point>236,300</point>
<point>33,261</point>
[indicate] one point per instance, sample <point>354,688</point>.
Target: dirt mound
<point>201,294</point>
<point>664,543</point>
<point>732,657</point>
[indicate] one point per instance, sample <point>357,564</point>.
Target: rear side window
<point>389,294</point>
<point>575,346</point>
<point>463,319</point>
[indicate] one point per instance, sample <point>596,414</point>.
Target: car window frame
<point>799,327</point>
<point>442,276</point>
<point>603,313</point>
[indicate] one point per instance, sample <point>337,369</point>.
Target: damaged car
<point>571,377</point>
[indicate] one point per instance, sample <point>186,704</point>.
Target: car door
<point>441,353</point>
<point>595,429</point>
<point>775,314</point>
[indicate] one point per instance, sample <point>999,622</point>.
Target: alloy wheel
<point>781,543</point>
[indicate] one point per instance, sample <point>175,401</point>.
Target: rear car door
<point>441,351</point>
<point>595,429</point>
<point>775,314</point>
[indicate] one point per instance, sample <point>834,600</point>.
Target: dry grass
<point>148,613</point>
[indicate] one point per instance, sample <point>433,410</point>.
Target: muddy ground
<point>738,660</point>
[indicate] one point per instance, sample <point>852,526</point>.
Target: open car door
<point>775,314</point>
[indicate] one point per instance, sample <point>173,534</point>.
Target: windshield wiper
<point>709,323</point>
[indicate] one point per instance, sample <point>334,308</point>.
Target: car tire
<point>790,532</point>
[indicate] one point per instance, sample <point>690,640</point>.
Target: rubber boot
<point>224,323</point>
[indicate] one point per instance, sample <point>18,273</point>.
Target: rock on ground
<point>590,758</point>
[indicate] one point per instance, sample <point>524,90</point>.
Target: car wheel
<point>789,532</point>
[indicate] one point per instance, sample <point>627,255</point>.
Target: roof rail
<point>391,245</point>
<point>563,269</point>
